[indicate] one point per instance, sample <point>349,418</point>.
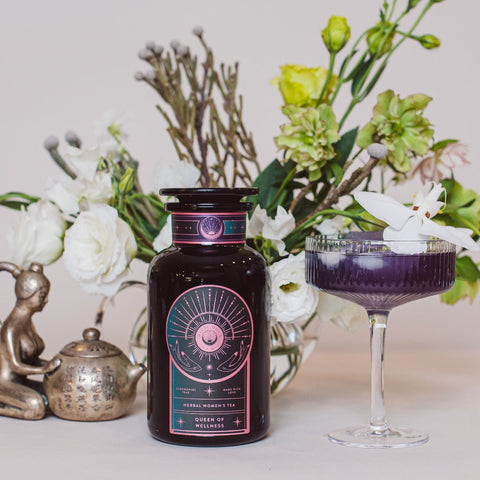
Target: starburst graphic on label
<point>209,330</point>
<point>237,422</point>
<point>209,391</point>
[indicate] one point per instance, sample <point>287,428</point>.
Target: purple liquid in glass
<point>380,280</point>
<point>378,275</point>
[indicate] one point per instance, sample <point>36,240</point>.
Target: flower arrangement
<point>97,216</point>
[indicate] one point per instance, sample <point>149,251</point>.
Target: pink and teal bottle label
<point>208,228</point>
<point>209,335</point>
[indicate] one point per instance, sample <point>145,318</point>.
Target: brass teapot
<point>95,380</point>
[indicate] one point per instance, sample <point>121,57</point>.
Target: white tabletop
<point>430,390</point>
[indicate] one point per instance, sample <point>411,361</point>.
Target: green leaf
<point>127,181</point>
<point>461,289</point>
<point>456,194</point>
<point>466,283</point>
<point>443,144</point>
<point>269,182</point>
<point>337,172</point>
<point>345,64</point>
<point>359,75</point>
<point>467,269</point>
<point>462,209</point>
<point>303,208</point>
<point>17,200</point>
<point>372,82</point>
<point>345,145</point>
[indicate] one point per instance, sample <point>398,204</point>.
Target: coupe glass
<point>379,275</point>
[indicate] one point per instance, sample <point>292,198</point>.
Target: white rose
<point>37,234</point>
<point>273,229</point>
<point>345,314</point>
<point>292,298</point>
<point>175,174</point>
<point>99,247</point>
<point>164,238</point>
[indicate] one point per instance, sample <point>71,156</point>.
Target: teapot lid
<point>91,346</point>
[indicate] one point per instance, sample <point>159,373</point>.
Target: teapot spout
<point>135,372</point>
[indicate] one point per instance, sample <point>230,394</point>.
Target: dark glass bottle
<point>208,325</point>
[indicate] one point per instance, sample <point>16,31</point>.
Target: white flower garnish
<point>414,223</point>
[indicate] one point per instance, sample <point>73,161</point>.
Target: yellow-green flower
<point>400,126</point>
<point>301,86</point>
<point>379,40</point>
<point>429,41</point>
<point>336,34</point>
<point>309,137</point>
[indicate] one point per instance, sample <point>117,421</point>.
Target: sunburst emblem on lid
<point>211,227</point>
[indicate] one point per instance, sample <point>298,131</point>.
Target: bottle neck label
<point>209,228</point>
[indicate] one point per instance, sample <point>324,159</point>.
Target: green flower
<point>429,41</point>
<point>301,86</point>
<point>309,138</point>
<point>379,42</point>
<point>336,34</point>
<point>400,126</point>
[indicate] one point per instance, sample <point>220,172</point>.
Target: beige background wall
<point>64,63</point>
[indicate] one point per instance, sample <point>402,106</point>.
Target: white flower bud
<point>158,50</point>
<point>151,75</point>
<point>73,139</point>
<point>377,150</point>
<point>139,76</point>
<point>51,143</point>
<point>182,51</point>
<point>198,30</point>
<point>144,54</point>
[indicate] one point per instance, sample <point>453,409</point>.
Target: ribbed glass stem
<point>378,327</point>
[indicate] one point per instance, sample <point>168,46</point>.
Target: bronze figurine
<point>21,346</point>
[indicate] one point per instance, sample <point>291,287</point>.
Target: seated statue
<point>21,346</point>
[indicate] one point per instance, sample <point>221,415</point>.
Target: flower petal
<point>458,236</point>
<point>384,208</point>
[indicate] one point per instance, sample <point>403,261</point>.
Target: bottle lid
<point>209,199</point>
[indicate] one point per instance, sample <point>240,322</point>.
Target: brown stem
<point>347,186</point>
<point>303,192</point>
